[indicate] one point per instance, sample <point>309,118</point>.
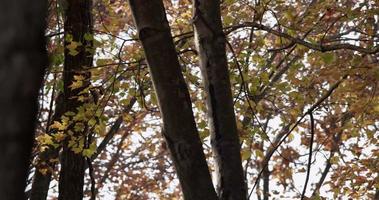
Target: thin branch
<point>310,155</point>
<point>92,178</point>
<point>336,140</point>
<point>113,130</point>
<point>313,46</point>
<point>310,110</point>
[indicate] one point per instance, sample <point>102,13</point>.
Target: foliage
<point>284,56</point>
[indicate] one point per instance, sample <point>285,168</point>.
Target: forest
<point>189,99</point>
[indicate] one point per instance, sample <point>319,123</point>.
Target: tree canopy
<point>289,86</point>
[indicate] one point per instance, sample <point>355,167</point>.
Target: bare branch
<point>310,155</point>
<point>317,47</point>
<point>286,134</point>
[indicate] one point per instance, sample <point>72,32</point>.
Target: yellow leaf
<point>334,160</point>
<point>45,139</point>
<point>90,151</point>
<point>82,98</point>
<point>79,127</point>
<point>76,84</point>
<point>92,122</point>
<point>259,153</point>
<point>43,171</point>
<point>245,154</point>
<point>72,48</point>
<point>79,77</point>
<point>376,108</point>
<point>59,136</point>
<point>76,150</point>
<point>58,125</point>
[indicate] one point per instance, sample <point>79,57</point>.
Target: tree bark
<point>266,182</point>
<point>23,59</point>
<point>41,181</point>
<point>210,40</point>
<point>180,130</point>
<point>77,23</point>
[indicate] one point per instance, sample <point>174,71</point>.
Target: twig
<point>93,182</point>
<point>313,46</point>
<point>310,155</point>
<point>310,110</point>
<point>113,130</point>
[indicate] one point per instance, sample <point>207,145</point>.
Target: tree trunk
<point>266,182</point>
<point>41,181</point>
<point>22,62</point>
<point>174,101</point>
<point>77,24</point>
<point>210,40</point>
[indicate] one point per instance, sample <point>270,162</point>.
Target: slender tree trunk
<point>266,183</point>
<point>210,40</point>
<point>45,160</point>
<point>41,181</point>
<point>180,129</point>
<point>22,62</point>
<point>77,24</point>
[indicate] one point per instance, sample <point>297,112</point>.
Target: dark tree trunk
<point>180,129</point>
<point>77,23</point>
<point>41,182</point>
<point>266,183</point>
<point>210,40</point>
<point>45,160</point>
<point>22,62</point>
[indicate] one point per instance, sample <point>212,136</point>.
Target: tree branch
<point>114,129</point>
<point>317,47</point>
<point>310,155</point>
<point>286,134</point>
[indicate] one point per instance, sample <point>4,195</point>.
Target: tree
<point>222,122</point>
<point>22,64</point>
<point>46,161</point>
<point>179,128</point>
<point>78,57</point>
<point>293,95</point>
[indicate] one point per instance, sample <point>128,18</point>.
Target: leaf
<point>376,108</point>
<point>45,139</point>
<point>70,113</point>
<point>79,77</point>
<point>334,160</point>
<point>72,48</point>
<point>88,36</point>
<point>259,153</point>
<point>328,58</point>
<point>43,171</point>
<point>76,85</point>
<point>92,122</point>
<point>265,77</point>
<point>302,170</point>
<point>102,62</point>
<point>79,127</point>
<point>90,151</point>
<point>246,154</point>
<point>60,136</point>
<point>58,125</point>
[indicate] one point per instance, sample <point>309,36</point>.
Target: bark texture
<point>174,101</point>
<point>210,40</point>
<point>77,23</point>
<point>22,61</point>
